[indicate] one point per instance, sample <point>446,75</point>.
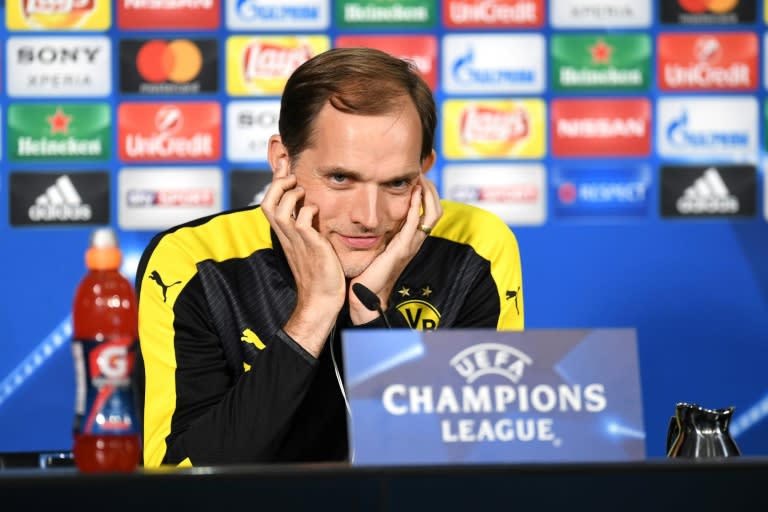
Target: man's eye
<point>338,178</point>
<point>399,183</point>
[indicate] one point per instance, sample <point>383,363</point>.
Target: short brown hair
<point>356,81</point>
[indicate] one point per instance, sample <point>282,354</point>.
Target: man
<point>240,313</point>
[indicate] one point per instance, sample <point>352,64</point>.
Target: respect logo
<point>58,14</point>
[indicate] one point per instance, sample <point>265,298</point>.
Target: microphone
<point>370,300</point>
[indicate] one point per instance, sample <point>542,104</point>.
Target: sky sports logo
<point>278,14</point>
<point>471,63</point>
<point>708,191</point>
<point>157,198</point>
<point>601,192</point>
<point>169,66</point>
<point>514,192</point>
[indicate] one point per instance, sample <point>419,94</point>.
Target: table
<point>663,484</point>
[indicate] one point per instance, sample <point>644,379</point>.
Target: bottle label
<point>104,397</point>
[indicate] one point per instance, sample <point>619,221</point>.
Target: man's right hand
<point>320,282</point>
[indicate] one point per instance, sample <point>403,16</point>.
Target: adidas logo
<point>708,195</point>
<point>60,202</point>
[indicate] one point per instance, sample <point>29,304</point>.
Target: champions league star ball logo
<point>490,358</point>
<point>494,404</point>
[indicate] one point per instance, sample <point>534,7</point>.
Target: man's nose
<point>365,207</point>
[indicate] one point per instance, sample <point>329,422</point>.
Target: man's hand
<point>320,282</point>
<point>382,273</point>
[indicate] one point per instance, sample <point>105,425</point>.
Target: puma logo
<point>250,337</point>
<point>155,276</point>
<point>512,294</point>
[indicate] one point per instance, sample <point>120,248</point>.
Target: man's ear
<point>428,162</point>
<point>277,156</point>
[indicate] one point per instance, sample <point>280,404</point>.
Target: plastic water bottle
<point>105,334</point>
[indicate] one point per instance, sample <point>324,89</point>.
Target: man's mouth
<point>361,243</point>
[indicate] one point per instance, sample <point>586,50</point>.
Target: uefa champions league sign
<point>484,396</point>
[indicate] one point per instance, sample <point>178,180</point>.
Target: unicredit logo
<point>165,143</point>
<point>706,72</point>
<point>175,61</point>
<point>169,119</point>
<point>492,12</point>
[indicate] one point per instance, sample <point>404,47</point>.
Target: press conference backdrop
<point>622,140</point>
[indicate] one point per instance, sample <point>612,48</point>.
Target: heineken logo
<point>584,61</point>
<point>41,131</point>
<point>388,12</point>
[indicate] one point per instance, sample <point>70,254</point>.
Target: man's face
<point>360,172</point>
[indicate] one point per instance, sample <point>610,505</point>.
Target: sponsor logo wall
<point>561,116</point>
<point>638,86</point>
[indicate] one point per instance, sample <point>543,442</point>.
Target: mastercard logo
<point>177,61</point>
<point>702,6</point>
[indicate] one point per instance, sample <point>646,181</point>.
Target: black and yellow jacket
<point>225,385</point>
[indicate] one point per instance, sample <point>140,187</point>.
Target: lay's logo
<point>261,65</point>
<point>59,14</point>
<point>494,129</point>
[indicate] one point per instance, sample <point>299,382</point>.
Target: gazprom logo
<point>680,134</point>
<point>472,63</point>
<point>276,11</point>
<point>490,359</point>
<point>270,15</point>
<point>466,71</point>
<point>707,127</point>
